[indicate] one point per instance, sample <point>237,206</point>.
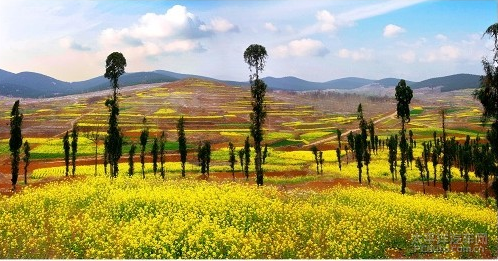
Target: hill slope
<point>35,85</point>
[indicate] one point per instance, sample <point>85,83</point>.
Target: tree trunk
<point>368,176</point>
<point>96,159</point>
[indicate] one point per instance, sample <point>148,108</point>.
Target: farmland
<point>312,215</point>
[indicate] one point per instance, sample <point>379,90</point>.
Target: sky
<point>316,40</point>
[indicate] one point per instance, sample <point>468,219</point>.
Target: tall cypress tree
<point>182,143</point>
<point>66,147</point>
<point>155,155</point>
<point>74,146</point>
<point>27,156</point>
<point>232,158</point>
<point>359,149</point>
<point>144,137</point>
<point>15,141</point>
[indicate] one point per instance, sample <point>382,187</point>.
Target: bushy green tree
<point>182,143</point>
<point>487,94</point>
<point>203,156</point>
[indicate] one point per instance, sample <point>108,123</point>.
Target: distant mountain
<point>35,85</point>
<point>451,82</point>
<point>291,83</point>
<point>5,74</point>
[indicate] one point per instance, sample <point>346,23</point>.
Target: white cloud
<point>177,21</point>
<point>302,47</point>
<point>392,30</point>
<point>271,27</point>
<point>443,53</point>
<point>69,43</point>
<point>327,22</point>
<point>219,25</point>
<point>441,37</point>
<point>157,34</point>
<point>356,55</point>
<point>408,57</point>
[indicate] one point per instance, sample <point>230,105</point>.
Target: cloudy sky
<point>317,40</point>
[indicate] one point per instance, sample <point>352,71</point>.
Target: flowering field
<point>134,218</point>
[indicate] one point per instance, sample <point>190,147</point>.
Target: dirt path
<point>392,115</point>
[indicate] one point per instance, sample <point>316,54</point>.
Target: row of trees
<point>255,56</point>
<point>15,144</point>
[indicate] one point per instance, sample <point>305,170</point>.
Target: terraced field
<point>306,211</point>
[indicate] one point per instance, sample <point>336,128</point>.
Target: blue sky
<point>317,40</point>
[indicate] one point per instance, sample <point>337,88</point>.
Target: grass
<point>286,142</point>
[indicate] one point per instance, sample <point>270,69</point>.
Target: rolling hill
<point>36,85</point>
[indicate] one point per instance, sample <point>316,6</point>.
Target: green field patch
<point>417,110</point>
<point>278,135</point>
<point>287,142</point>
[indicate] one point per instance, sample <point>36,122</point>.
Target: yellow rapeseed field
<point>96,217</point>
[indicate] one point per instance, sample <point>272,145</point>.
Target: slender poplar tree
<point>26,158</point>
<point>404,95</point>
<point>255,56</point>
